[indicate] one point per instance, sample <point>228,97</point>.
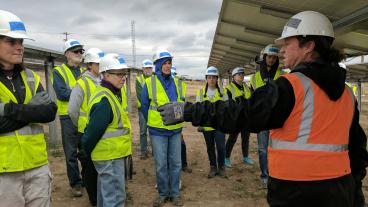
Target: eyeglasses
<point>120,75</point>
<point>81,51</point>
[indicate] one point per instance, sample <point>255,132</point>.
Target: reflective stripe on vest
<point>217,97</point>
<point>257,81</point>
<point>306,148</point>
<point>141,81</point>
<point>25,148</point>
<point>116,141</point>
<point>88,87</point>
<point>154,88</point>
<point>70,81</point>
<point>236,92</point>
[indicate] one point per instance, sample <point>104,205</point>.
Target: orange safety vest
<point>313,142</point>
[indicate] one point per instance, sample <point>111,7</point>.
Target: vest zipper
<point>10,78</point>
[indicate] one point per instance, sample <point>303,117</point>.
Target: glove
<point>2,109</point>
<point>172,113</point>
<point>41,98</point>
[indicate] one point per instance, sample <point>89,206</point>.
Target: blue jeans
<point>142,132</point>
<point>218,138</point>
<point>262,138</point>
<point>70,140</point>
<point>167,155</point>
<point>110,183</point>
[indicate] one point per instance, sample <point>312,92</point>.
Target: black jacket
<point>270,106</point>
<point>19,115</point>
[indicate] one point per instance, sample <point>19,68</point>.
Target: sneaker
<point>186,169</point>
<point>213,172</point>
<point>159,201</point>
<point>177,201</point>
<point>227,162</point>
<point>221,172</point>
<point>77,191</point>
<point>247,160</point>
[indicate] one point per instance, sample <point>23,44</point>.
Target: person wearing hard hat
<point>215,139</point>
<point>65,77</point>
<point>268,70</point>
<point>317,150</point>
<point>77,110</point>
<point>147,66</point>
<point>107,137</point>
<point>159,90</point>
<point>25,177</point>
<point>237,88</point>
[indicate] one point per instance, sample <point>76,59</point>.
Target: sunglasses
<point>81,51</point>
<point>120,75</point>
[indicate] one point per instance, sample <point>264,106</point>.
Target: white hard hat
<point>93,55</point>
<point>342,65</point>
<point>237,70</point>
<point>112,61</point>
<point>12,26</point>
<point>161,53</point>
<point>271,49</point>
<point>307,23</point>
<point>147,63</point>
<point>212,71</point>
<point>71,43</point>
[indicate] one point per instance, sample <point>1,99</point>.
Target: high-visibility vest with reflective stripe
<point>313,142</point>
<point>217,97</point>
<point>141,80</point>
<point>70,81</point>
<point>158,97</point>
<point>256,80</point>
<point>88,87</point>
<point>116,142</point>
<point>236,92</point>
<point>125,98</point>
<point>25,148</point>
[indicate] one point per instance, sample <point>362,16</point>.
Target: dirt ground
<point>242,188</point>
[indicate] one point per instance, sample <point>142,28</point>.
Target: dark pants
<point>232,140</point>
<point>218,138</point>
<point>183,153</point>
<point>70,140</point>
<point>89,176</point>
<point>338,192</point>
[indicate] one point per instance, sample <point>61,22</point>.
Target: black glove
<point>172,113</point>
<point>41,98</point>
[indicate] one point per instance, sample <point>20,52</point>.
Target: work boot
<point>246,160</point>
<point>228,162</point>
<point>77,191</point>
<point>186,169</point>
<point>213,172</point>
<point>221,172</point>
<point>264,183</point>
<point>159,201</point>
<point>177,201</point>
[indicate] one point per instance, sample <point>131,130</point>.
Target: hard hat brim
<point>17,35</point>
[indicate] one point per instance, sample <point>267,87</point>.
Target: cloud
<point>186,28</point>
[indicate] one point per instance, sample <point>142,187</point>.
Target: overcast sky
<point>185,27</point>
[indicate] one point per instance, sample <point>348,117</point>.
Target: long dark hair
<point>323,47</point>
<point>263,64</point>
<point>206,88</point>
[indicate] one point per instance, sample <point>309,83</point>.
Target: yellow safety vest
<point>70,81</point>
<point>141,80</point>
<point>116,142</point>
<point>88,88</point>
<point>158,97</point>
<point>236,92</point>
<point>200,96</point>
<point>25,148</point>
<point>256,80</point>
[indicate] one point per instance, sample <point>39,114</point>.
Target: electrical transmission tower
<point>133,42</point>
<point>66,36</point>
